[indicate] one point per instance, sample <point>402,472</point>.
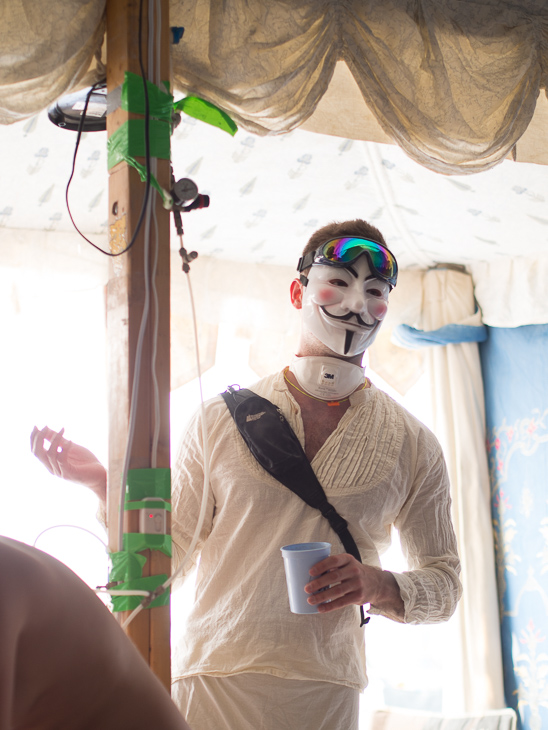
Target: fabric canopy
<point>47,49</point>
<point>455,84</point>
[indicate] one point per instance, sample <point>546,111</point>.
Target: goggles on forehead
<point>343,251</point>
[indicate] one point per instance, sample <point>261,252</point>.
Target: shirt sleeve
<point>431,588</point>
<point>189,483</point>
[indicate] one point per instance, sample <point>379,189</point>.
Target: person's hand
<point>347,582</point>
<point>68,460</point>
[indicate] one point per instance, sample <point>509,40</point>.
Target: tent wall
<point>514,364</point>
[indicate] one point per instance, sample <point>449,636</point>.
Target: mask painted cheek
<point>324,296</point>
<point>377,308</point>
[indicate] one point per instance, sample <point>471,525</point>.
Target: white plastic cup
<point>298,559</point>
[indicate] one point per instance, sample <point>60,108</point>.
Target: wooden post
<point>150,630</point>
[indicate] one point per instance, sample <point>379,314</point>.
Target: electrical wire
<point>149,202</point>
<point>147,153</point>
<point>115,592</point>
<point>136,378</point>
<point>154,44</point>
<point>111,592</point>
<point>108,591</point>
<point>154,356</point>
<point>205,492</point>
<point>75,527</point>
<point>205,439</point>
<point>150,282</point>
<point>155,72</point>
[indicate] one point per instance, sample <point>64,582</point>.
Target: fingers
<point>349,599</point>
<point>330,563</point>
<point>34,437</point>
<point>340,585</point>
<point>56,453</point>
<point>37,446</point>
<point>57,441</point>
<point>332,570</point>
<point>50,457</point>
<point>348,572</point>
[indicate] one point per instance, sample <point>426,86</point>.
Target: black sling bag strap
<point>274,444</point>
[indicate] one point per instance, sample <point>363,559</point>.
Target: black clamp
<point>185,197</point>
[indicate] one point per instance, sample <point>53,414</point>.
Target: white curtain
<point>454,372</point>
<point>511,291</point>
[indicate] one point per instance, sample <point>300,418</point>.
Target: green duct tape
<point>136,542</point>
<point>128,603</point>
<point>143,483</point>
<point>118,146</point>
<point>160,103</point>
<point>126,566</point>
<point>128,141</point>
<point>153,503</point>
<point>206,112</point>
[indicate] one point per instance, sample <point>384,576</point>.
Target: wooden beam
<point>125,303</point>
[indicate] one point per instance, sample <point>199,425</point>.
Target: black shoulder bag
<point>274,444</point>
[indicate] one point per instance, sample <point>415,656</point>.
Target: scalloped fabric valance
<point>455,84</point>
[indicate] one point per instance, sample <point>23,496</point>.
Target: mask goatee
<point>348,341</point>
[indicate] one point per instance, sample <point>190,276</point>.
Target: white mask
<point>328,378</point>
<point>344,306</point>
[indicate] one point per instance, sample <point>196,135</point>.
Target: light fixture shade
<point>67,111</point>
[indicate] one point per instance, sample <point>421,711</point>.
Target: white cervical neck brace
<point>327,378</point>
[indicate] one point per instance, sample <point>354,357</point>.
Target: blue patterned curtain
<point>515,373</point>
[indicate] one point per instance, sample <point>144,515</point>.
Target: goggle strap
<point>306,261</point>
<point>303,279</point>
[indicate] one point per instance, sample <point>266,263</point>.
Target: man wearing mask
<point>247,662</point>
<point>255,663</point>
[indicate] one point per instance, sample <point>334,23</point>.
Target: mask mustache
<point>348,317</point>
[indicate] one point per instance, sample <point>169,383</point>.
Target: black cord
<point>147,151</point>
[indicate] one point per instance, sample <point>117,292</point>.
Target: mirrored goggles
<point>342,251</point>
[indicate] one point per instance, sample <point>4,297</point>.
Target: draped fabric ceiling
<point>455,84</point>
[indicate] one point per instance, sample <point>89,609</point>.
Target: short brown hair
<point>357,227</point>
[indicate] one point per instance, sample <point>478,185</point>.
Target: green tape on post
<point>206,112</point>
<point>128,603</point>
<point>128,142</point>
<point>126,566</point>
<point>136,542</point>
<point>160,103</point>
<point>143,483</point>
<point>151,503</point>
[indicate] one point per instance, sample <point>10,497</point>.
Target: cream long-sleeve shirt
<point>380,467</point>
